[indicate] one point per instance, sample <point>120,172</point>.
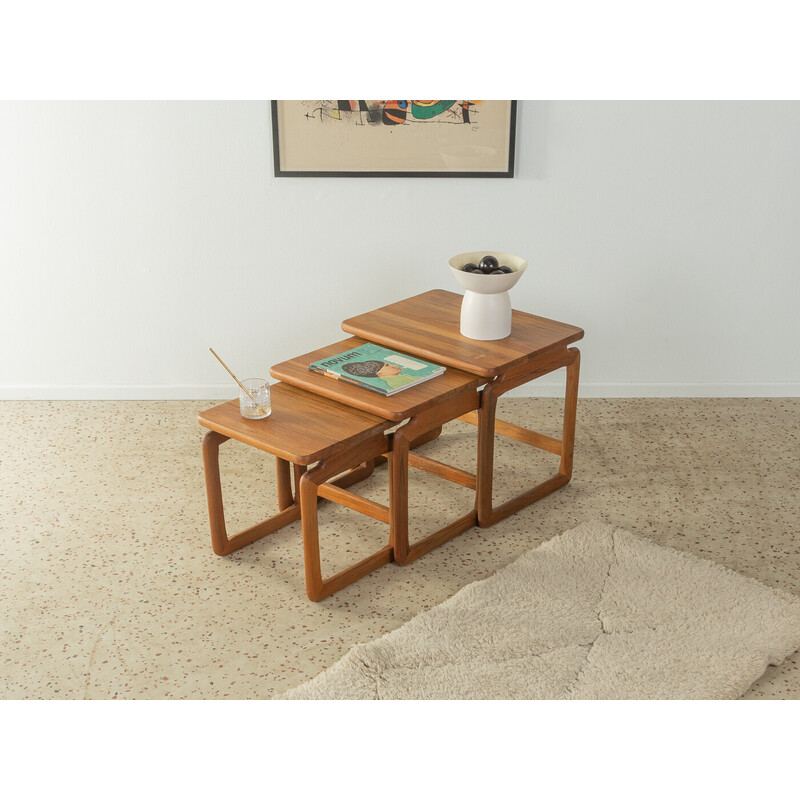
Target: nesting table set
<point>344,430</point>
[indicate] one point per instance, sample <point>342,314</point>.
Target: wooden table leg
<point>416,430</point>
<point>488,426</point>
<point>570,413</point>
<point>311,484</point>
<point>285,496</point>
<point>220,541</point>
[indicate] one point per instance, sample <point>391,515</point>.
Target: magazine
<point>375,368</point>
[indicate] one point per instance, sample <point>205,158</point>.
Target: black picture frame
<point>507,170</point>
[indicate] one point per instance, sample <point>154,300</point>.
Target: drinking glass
<point>259,389</point>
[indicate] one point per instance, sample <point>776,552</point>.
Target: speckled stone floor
<point>110,589</point>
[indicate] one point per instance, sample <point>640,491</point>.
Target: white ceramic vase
<point>486,307</point>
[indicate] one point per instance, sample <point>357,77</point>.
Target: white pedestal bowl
<point>486,307</point>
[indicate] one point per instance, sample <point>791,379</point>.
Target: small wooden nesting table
<point>303,429</point>
<point>428,326</point>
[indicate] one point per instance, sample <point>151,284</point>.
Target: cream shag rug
<point>596,613</point>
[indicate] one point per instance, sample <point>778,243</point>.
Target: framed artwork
<point>394,138</point>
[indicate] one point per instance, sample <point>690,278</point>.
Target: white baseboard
<point>537,389</point>
<point>141,392</point>
<point>611,390</point>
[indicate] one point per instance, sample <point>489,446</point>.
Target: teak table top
<point>286,432</point>
<point>428,326</point>
<point>397,407</point>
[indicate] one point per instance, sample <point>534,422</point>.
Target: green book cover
<point>376,368</point>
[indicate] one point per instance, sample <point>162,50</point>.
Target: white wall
<point>134,235</point>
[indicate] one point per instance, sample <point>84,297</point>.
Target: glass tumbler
<point>259,389</point>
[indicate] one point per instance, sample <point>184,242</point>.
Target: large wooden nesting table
<point>427,326</point>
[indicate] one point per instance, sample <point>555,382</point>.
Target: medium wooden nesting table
<point>428,326</point>
<point>424,409</point>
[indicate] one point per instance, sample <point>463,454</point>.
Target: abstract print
<point>394,112</point>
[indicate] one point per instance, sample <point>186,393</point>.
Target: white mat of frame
<point>595,613</point>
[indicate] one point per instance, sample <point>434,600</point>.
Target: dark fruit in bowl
<point>488,265</point>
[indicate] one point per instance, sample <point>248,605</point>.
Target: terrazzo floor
<point>110,589</point>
